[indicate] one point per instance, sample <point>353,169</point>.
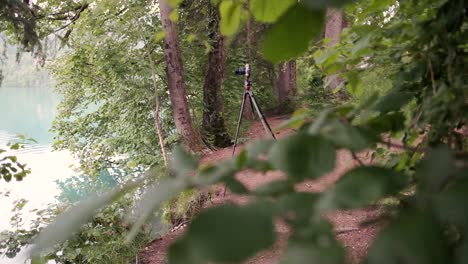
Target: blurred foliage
<point>10,167</point>
<point>310,81</point>
<point>431,161</point>
<point>421,111</point>
<point>78,188</point>
<point>27,25</point>
<point>23,70</point>
<point>99,241</point>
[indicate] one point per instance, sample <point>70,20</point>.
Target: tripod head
<point>246,72</point>
<point>243,70</point>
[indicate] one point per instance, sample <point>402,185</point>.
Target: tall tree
<point>286,82</point>
<point>336,22</point>
<point>176,82</point>
<point>213,127</point>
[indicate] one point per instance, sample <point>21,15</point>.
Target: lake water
<point>30,111</point>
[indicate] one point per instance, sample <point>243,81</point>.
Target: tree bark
<point>335,24</point>
<point>286,82</point>
<point>213,127</point>
<point>176,82</point>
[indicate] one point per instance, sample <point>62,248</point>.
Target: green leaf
<point>38,260</point>
<point>15,146</point>
<point>259,147</point>
<point>70,222</point>
<point>230,17</point>
<point>379,5</point>
<point>174,16</point>
<point>309,251</point>
<point>261,166</point>
<point>275,188</point>
<point>12,158</point>
<point>346,136</point>
<point>461,253</point>
<point>362,186</point>
<point>291,34</point>
<point>180,252</point>
<point>298,118</point>
<point>323,4</point>
<point>450,205</point>
<point>269,10</point>
<point>326,57</point>
<point>361,47</point>
<point>228,233</point>
<point>183,162</point>
<point>314,243</point>
<point>414,238</point>
<point>434,169</point>
<point>160,35</point>
<point>215,174</point>
<point>235,186</point>
<point>393,101</point>
<point>353,83</point>
<point>321,120</point>
<point>302,156</point>
<point>390,122</point>
<point>241,160</point>
<point>299,205</point>
<point>173,3</point>
<point>153,197</point>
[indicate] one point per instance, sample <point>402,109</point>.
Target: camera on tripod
<point>249,98</point>
<point>243,70</point>
<point>240,71</point>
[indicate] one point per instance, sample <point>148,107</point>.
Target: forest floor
<point>349,224</point>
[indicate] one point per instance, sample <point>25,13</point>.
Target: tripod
<point>255,107</point>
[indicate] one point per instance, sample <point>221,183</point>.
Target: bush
<point>102,240</point>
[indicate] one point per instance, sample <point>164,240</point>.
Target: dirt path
<point>355,238</point>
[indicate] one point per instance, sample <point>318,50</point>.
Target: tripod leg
<point>252,107</point>
<point>239,123</point>
<point>260,115</point>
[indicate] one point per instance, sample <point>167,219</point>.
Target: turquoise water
<point>30,111</point>
<point>27,111</point>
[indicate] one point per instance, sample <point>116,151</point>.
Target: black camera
<point>240,71</point>
<point>243,71</point>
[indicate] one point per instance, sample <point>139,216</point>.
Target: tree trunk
<point>176,82</point>
<point>286,82</point>
<point>335,24</point>
<point>213,128</point>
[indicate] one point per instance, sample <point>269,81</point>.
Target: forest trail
<point>354,237</point>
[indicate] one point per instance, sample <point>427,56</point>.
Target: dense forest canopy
<point>147,85</point>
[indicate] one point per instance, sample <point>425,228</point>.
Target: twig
<point>345,230</point>
<point>431,71</point>
<point>74,18</point>
<point>403,147</point>
<point>355,157</point>
<point>449,68</point>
